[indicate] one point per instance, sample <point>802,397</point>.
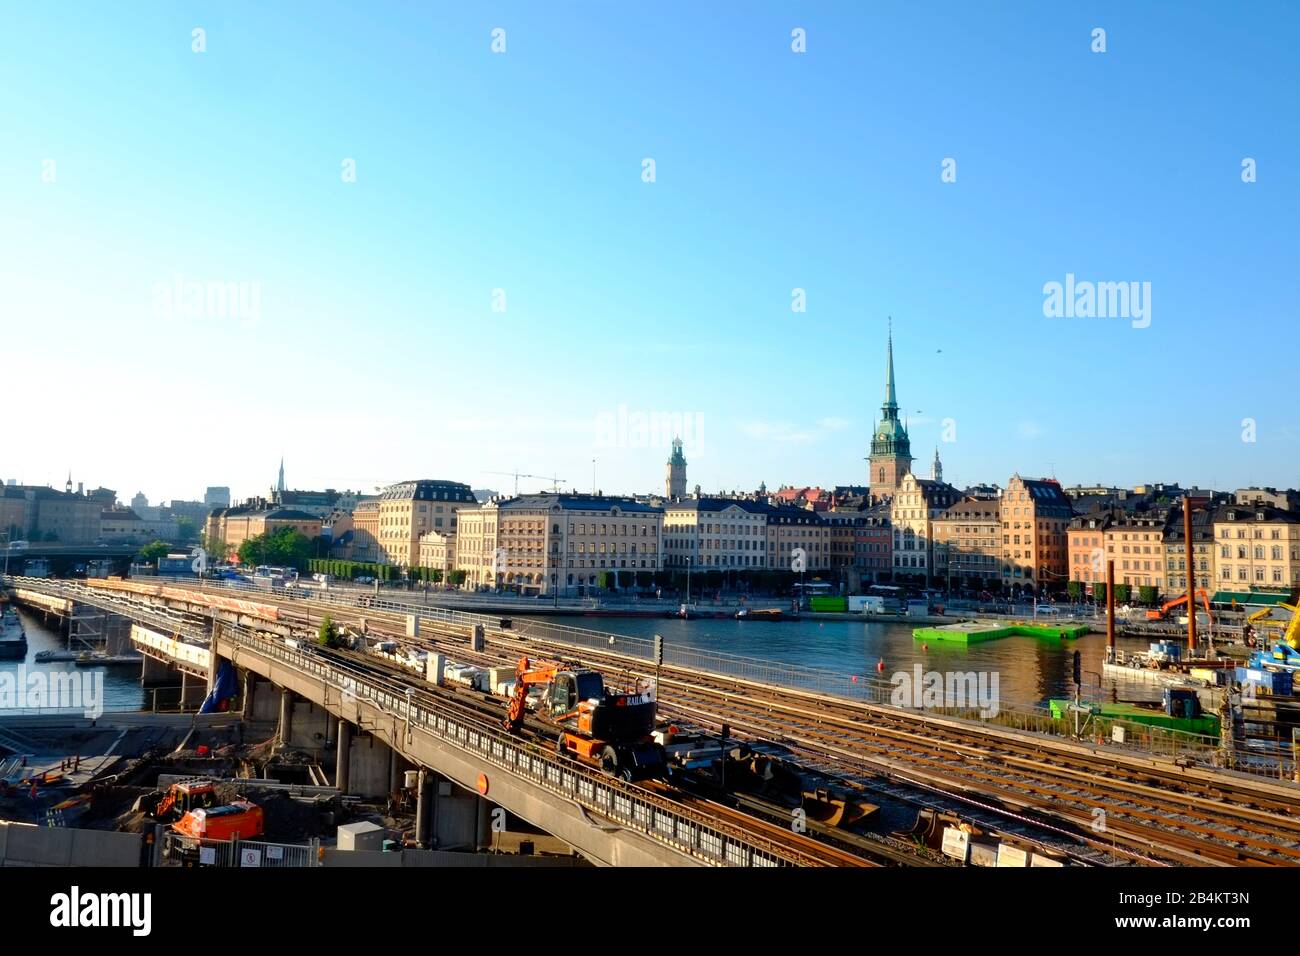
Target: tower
<point>675,483</point>
<point>936,467</point>
<point>891,450</point>
<point>69,485</point>
<point>279,485</point>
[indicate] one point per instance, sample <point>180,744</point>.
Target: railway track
<point>1141,811</point>
<point>1149,814</point>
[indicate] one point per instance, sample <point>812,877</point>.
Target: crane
<point>555,482</point>
<point>1159,614</point>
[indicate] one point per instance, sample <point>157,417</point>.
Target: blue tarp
<point>223,689</point>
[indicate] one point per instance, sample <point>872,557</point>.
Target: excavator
<point>609,730</point>
<point>1160,613</point>
<point>196,813</point>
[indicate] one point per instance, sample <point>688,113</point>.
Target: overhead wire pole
<point>1191,575</point>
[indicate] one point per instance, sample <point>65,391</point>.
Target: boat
<point>13,639</point>
<point>1180,710</point>
<point>760,614</point>
<point>102,659</point>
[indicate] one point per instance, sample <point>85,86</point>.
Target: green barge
<point>972,632</point>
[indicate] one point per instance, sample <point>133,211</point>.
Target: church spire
<point>891,400</point>
<point>279,485</point>
<point>936,469</point>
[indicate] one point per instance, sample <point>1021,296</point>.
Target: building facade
<point>1256,546</point>
<point>916,505</point>
<point>968,543</point>
<point>565,544</point>
<point>409,509</point>
<point>1036,516</point>
<point>704,532</point>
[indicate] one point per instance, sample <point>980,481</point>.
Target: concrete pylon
<point>285,730</point>
<point>343,764</point>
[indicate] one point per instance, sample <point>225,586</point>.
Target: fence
<point>252,853</point>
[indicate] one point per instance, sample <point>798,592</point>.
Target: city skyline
<point>517,179</point>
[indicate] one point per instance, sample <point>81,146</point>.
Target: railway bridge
<point>1162,800</point>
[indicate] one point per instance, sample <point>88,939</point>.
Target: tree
<point>1122,592</point>
<point>151,552</point>
<point>1099,592</point>
<point>1075,590</point>
<point>456,577</point>
<point>1148,594</point>
<point>328,635</point>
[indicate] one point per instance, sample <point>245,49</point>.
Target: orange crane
<point>1159,614</point>
<point>606,729</point>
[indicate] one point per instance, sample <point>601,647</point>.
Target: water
<point>1030,670</point>
<point>122,690</point>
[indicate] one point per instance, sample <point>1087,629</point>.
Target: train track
<point>1150,813</point>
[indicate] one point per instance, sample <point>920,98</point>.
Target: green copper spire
<point>891,401</point>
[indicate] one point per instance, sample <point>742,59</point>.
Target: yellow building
<point>565,543</point>
<point>411,508</point>
<point>1175,552</point>
<point>703,531</point>
<point>1135,542</point>
<point>438,551</point>
<point>916,505</point>
<point>1036,517</point>
<point>1257,546</point>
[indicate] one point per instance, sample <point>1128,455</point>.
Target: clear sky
<point>375,353</point>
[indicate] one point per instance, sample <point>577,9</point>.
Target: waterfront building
<point>790,528</point>
<point>438,551</point>
<point>715,532</point>
<point>1256,546</point>
<point>1174,565</point>
<point>1036,516</point>
<point>968,544</point>
<point>1135,541</point>
<point>914,507</point>
<point>410,508</point>
<point>256,517</point>
<point>554,543</point>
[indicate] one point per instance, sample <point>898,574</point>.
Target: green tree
<point>151,552</point>
<point>1099,592</point>
<point>1075,590</point>
<point>1147,594</point>
<point>328,634</point>
<point>456,577</point>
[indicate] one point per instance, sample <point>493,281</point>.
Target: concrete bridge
<point>378,725</point>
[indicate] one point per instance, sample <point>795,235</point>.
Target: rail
<point>658,819</point>
<point>1138,738</point>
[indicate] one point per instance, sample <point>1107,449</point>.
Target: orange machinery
<point>607,729</point>
<point>1159,614</point>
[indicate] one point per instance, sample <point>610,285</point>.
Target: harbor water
<point>121,685</point>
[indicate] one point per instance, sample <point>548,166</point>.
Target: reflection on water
<point>1030,670</point>
<point>121,684</point>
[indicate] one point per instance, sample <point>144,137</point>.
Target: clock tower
<point>891,451</point>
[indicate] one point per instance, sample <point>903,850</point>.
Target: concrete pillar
<point>331,730</point>
<point>394,771</point>
<point>343,764</point>
<point>483,824</point>
<point>423,800</point>
<point>153,672</point>
<point>286,717</point>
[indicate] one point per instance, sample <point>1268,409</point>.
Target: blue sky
<point>376,354</point>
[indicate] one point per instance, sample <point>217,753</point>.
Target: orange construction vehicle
<point>1159,614</point>
<point>609,730</point>
<point>196,814</point>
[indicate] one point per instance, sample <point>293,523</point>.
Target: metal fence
<point>257,854</point>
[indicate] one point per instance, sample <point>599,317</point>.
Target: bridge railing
<point>657,819</point>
